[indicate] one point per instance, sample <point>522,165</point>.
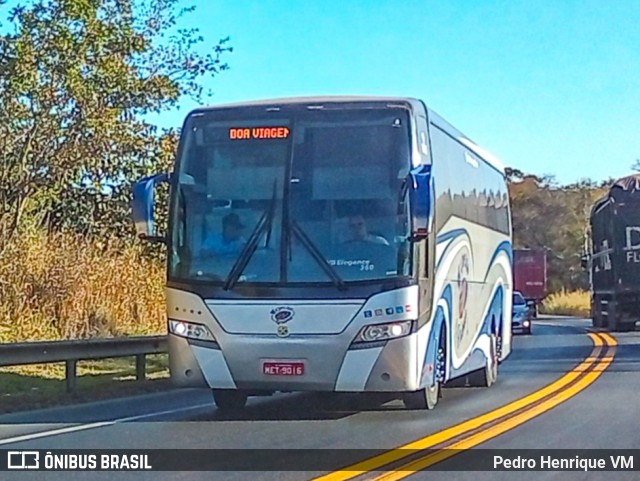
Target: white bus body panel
<point>472,294</point>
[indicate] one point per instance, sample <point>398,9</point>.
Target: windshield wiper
<point>272,205</point>
<point>317,255</point>
<point>265,223</point>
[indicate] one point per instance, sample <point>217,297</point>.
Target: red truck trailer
<point>530,275</point>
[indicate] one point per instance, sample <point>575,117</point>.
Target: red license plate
<point>283,368</point>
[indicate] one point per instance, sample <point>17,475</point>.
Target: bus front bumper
<point>327,364</point>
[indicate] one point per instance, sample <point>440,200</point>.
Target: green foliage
<point>546,215</point>
<point>76,79</point>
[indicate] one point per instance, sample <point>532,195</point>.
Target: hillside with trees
<point>554,217</point>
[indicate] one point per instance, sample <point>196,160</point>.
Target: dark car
<point>521,319</point>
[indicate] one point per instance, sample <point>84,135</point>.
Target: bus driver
<point>231,241</point>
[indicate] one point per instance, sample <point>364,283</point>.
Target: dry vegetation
<point>62,286</point>
<point>574,303</point>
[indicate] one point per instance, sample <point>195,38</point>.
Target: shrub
<point>574,303</point>
<point>66,286</point>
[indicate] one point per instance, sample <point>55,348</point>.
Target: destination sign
<point>258,133</point>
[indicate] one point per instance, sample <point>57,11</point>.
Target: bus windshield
<point>306,196</point>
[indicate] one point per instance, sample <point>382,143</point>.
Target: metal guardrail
<point>70,352</point>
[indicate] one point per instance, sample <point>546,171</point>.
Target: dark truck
<point>613,256</point>
<point>530,276</point>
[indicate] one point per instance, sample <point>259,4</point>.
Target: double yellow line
<point>402,462</point>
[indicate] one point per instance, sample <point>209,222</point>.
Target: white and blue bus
<point>333,244</point>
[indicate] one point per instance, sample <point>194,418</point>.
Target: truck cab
<point>612,243</point>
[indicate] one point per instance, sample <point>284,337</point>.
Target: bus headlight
<point>190,330</point>
<point>382,332</point>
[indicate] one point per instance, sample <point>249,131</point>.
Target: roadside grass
<point>563,303</point>
<point>66,286</point>
<point>38,386</point>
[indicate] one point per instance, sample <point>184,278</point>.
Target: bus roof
<point>433,116</point>
<point>487,156</point>
<point>309,100</point>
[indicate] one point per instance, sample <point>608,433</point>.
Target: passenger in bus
<point>360,233</point>
<point>230,241</point>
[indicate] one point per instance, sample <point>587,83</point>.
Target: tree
<point>76,79</point>
<point>553,217</point>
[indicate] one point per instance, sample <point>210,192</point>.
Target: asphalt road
<point>602,415</point>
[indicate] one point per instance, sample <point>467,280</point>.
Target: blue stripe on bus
<point>495,310</point>
<point>504,246</point>
<point>452,234</point>
<point>476,359</point>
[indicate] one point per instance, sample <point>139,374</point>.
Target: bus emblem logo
<point>283,331</point>
<point>282,314</point>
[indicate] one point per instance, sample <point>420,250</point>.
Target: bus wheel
<point>428,397</point>
<point>229,399</point>
<point>487,376</point>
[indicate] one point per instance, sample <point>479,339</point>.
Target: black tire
<point>596,314</point>
<point>427,398</point>
<point>612,317</point>
<point>596,321</point>
<point>229,399</point>
<point>424,399</point>
<point>488,375</point>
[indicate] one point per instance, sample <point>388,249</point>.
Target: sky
<point>548,86</point>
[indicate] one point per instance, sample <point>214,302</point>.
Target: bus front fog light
<point>381,332</point>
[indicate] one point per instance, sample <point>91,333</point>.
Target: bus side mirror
<point>142,207</point>
<point>420,202</point>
